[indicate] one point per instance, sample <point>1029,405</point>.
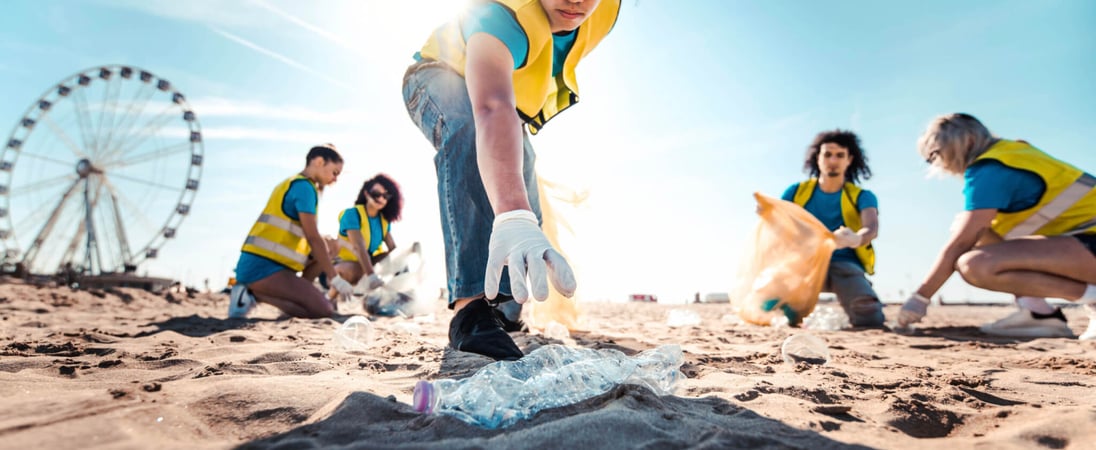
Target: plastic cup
<point>355,334</point>
<point>805,347</point>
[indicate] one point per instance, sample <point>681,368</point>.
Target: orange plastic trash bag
<point>784,267</point>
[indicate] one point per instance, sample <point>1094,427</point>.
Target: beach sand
<point>128,369</point>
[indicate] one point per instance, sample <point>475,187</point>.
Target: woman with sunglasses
<point>285,241</point>
<point>1029,228</point>
<point>365,231</point>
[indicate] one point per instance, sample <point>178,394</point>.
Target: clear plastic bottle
<point>504,392</point>
<point>827,318</point>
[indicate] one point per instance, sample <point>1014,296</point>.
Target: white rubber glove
<point>373,281</point>
<point>914,309</point>
<point>518,242</point>
<point>343,287</point>
<point>846,238</point>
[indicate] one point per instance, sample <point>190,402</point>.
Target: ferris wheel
<point>98,173</point>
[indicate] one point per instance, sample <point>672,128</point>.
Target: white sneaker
<point>1024,323</point>
<point>1090,333</point>
<point>240,302</point>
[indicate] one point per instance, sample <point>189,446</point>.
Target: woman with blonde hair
<point>1028,229</point>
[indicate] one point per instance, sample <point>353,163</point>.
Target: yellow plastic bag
<point>557,308</point>
<point>782,274</point>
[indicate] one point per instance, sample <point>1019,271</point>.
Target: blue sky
<point>687,109</point>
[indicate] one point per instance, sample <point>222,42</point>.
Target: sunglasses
<point>932,157</point>
<point>377,195</point>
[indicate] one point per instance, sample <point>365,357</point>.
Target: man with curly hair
<point>836,162</point>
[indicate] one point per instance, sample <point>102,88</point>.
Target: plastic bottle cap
<point>423,399</point>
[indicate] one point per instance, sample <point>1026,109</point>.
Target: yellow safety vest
<point>850,197</point>
<point>275,235</point>
<point>538,94</point>
<point>1068,205</point>
<point>346,249</point>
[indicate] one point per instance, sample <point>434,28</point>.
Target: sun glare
<point>400,24</point>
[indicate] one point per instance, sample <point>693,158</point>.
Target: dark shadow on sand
<point>965,334</point>
<point>200,326</point>
<point>625,417</point>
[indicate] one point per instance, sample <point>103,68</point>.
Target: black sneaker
<point>506,308</point>
<point>477,329</point>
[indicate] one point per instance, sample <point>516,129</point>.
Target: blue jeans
<point>437,101</point>
<point>854,292</point>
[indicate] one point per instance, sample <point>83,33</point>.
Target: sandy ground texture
<point>123,368</point>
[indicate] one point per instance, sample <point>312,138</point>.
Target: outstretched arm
<point>517,241</point>
<point>489,75</point>
<point>969,226</point>
<point>319,247</point>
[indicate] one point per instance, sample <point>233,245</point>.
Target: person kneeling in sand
<point>1044,209</point>
<point>836,162</point>
<point>285,241</point>
<point>365,231</point>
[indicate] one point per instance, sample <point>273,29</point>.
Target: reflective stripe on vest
<point>1067,198</point>
<point>276,248</point>
<point>284,224</point>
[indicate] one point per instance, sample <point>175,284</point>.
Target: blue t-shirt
<point>494,19</point>
<point>301,198</point>
<point>351,220</point>
<point>826,207</point>
<point>989,184</point>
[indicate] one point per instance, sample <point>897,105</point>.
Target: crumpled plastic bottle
<point>827,318</point>
<point>403,274</point>
<point>504,392</point>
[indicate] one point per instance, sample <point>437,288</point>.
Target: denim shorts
<point>437,101</point>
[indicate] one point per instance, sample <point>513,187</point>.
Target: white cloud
<point>282,58</point>
<point>227,107</point>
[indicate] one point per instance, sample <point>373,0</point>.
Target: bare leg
<point>296,296</point>
<point>349,271</point>
<point>1038,266</point>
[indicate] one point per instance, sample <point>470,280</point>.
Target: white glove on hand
<point>914,309</point>
<point>846,238</point>
<point>518,242</point>
<point>373,281</point>
<point>343,287</point>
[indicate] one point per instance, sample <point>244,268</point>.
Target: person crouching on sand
<point>285,241</point>
<point>1029,228</point>
<point>479,85</point>
<point>365,231</point>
